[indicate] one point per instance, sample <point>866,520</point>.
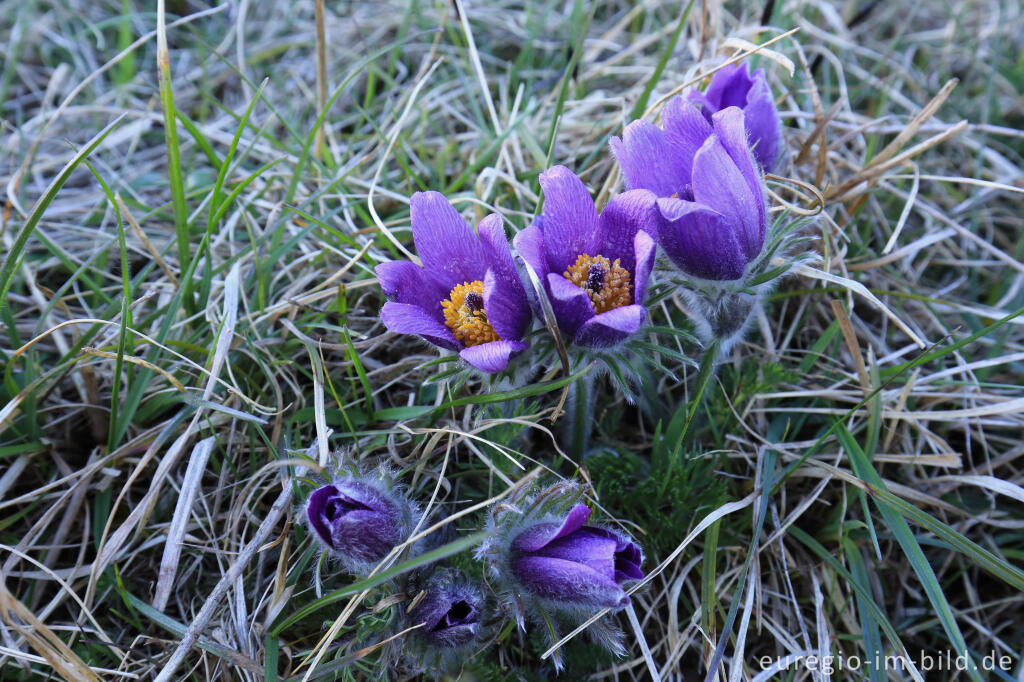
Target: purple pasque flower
<point>711,208</point>
<point>358,522</point>
<point>734,85</point>
<point>451,612</point>
<point>571,564</point>
<point>467,297</point>
<point>595,269</point>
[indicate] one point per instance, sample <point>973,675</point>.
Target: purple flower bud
<point>594,269</point>
<point>451,612</point>
<point>467,297</point>
<point>575,565</point>
<point>358,522</point>
<point>735,86</point>
<point>712,216</point>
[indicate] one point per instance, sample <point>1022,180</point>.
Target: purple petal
<point>567,581</point>
<point>699,240</point>
<point>729,86</point>
<point>506,307</point>
<point>611,327</point>
<point>649,160</point>
<point>731,132</point>
<point>621,219</point>
<point>316,509</point>
<point>644,250</point>
<point>686,130</point>
<point>570,219</point>
<point>595,550</point>
<point>493,356</point>
<point>627,563</point>
<point>719,184</point>
<point>537,536</point>
<point>405,282</point>
<point>529,245</point>
<point>571,304</point>
<point>505,301</point>
<point>762,122</point>
<point>404,318</point>
<point>450,252</point>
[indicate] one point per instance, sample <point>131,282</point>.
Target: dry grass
<point>158,425</point>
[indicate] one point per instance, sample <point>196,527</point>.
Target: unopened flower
<point>573,564</point>
<point>594,269</point>
<point>358,521</point>
<point>553,569</point>
<point>712,215</point>
<point>451,612</point>
<point>735,86</point>
<point>467,297</point>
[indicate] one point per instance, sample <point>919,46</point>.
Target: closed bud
<point>359,521</point>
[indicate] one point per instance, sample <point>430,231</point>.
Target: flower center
<point>464,314</point>
<point>607,284</point>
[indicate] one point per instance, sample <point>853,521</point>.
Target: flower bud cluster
<point>546,565</point>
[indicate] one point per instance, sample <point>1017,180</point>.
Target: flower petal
<point>611,328</point>
<point>450,252</point>
<point>406,282</point>
<point>493,356</point>
<point>730,128</point>
<point>729,86</point>
<point>686,129</point>
<point>593,549</point>
<point>762,122</point>
<point>529,245</point>
<point>621,219</point>
<point>570,219</point>
<point>699,240</point>
<point>568,581</point>
<point>719,184</point>
<point>571,304</point>
<point>316,511</point>
<point>537,536</point>
<point>505,300</point>
<point>404,318</point>
<point>649,160</point>
<point>645,250</point>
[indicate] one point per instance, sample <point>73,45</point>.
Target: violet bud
<point>551,568</point>
<point>358,521</point>
<point>574,564</point>
<point>735,86</point>
<point>451,611</point>
<point>712,215</point>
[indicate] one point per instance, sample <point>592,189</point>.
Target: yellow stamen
<point>607,284</point>
<point>464,314</point>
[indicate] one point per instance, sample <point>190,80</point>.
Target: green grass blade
<point>14,255</point>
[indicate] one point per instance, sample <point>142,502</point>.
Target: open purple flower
<point>594,269</point>
<point>356,521</point>
<point>712,216</point>
<point>575,565</point>
<point>735,86</point>
<point>467,297</point>
<point>451,612</point>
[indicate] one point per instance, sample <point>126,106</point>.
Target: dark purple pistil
<point>458,614</point>
<point>595,277</point>
<point>475,302</point>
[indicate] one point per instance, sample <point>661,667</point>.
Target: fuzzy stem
<point>580,394</point>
